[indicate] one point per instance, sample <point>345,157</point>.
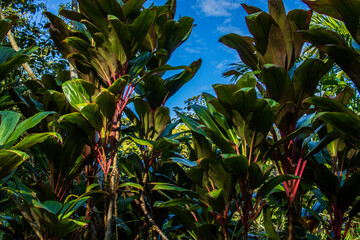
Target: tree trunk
<point>75,8</point>
<point>16,48</point>
<point>290,223</point>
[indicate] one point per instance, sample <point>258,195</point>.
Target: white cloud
<point>192,50</point>
<point>217,8</point>
<point>220,66</point>
<point>225,29</point>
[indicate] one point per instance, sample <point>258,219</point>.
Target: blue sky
<point>213,19</point>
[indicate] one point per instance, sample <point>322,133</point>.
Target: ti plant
<point>331,42</point>
<point>118,45</point>
<point>228,140</point>
<point>272,53</point>
<point>337,177</point>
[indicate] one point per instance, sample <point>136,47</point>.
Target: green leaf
<point>137,64</point>
<point>71,206</point>
<point>207,119</point>
<point>278,84</point>
<point>183,161</point>
<point>94,13</point>
<point>5,26</point>
<point>161,119</point>
<point>269,227</point>
<point>243,100</point>
<point>269,38</point>
<point>140,27</point>
<point>301,19</point>
<point>164,143</point>
<point>328,105</point>
<point>250,9</point>
<point>191,123</point>
<point>350,13</point>
<point>176,32</point>
<point>35,138</point>
<point>146,117</point>
<point>168,187</point>
<point>346,123</point>
<point>26,125</point>
<point>142,142</point>
<point>236,164</point>
<point>75,93</point>
<point>121,224</point>
<point>107,103</point>
<point>91,112</point>
<point>324,7</point>
<point>245,48</point>
<point>52,206</point>
<point>327,182</point>
<point>10,160</point>
<point>175,202</point>
<point>118,86</point>
<point>216,200</point>
<point>66,226</point>
<point>256,176</point>
<point>131,8</point>
<point>349,192</point>
<point>278,13</point>
<point>9,120</point>
<point>221,142</point>
<point>131,184</point>
<point>272,183</point>
<point>307,76</point>
<point>247,80</point>
<point>75,16</point>
<point>12,62</point>
<point>336,48</point>
<point>174,83</point>
<point>79,120</point>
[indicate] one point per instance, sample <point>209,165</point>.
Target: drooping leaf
<point>107,103</point>
<point>9,120</point>
<point>91,112</point>
<point>26,125</point>
<point>270,230</point>
<point>272,183</point>
<point>10,160</point>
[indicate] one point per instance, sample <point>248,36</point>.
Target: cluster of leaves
<point>99,158</point>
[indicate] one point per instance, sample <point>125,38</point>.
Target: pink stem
<point>298,182</point>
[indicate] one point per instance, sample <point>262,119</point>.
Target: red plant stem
<point>347,175</point>
<point>277,164</point>
<point>51,182</point>
<point>298,182</point>
<point>298,167</point>
<point>57,184</point>
<point>240,212</point>
<point>67,186</point>
<point>195,218</point>
<point>347,228</point>
<point>257,213</point>
<point>100,159</point>
<point>257,156</point>
<point>126,100</point>
<point>59,192</point>
<point>297,171</point>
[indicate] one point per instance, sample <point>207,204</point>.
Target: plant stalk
<point>290,222</point>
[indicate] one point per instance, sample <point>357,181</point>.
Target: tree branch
<point>16,48</point>
<point>27,217</point>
